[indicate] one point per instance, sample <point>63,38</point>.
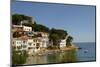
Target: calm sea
<point>87,51</point>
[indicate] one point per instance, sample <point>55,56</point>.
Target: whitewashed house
<point>21,28</point>
<point>45,39</point>
<point>27,21</point>
<point>43,36</point>
<point>19,44</point>
<point>30,45</point>
<point>63,42</point>
<point>29,40</point>
<point>37,42</point>
<point>24,44</point>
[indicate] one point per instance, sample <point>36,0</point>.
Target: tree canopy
<point>40,28</point>
<point>17,18</point>
<point>69,40</point>
<point>60,34</point>
<point>56,35</point>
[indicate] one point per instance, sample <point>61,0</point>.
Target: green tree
<point>17,18</point>
<point>56,35</point>
<point>69,40</point>
<point>40,28</point>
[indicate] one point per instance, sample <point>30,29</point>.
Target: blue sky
<point>78,21</point>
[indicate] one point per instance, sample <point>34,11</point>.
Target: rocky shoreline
<point>48,51</point>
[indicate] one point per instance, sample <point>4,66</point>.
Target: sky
<point>77,20</point>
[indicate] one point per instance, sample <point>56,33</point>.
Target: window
<point>34,40</point>
<point>13,42</point>
<point>39,40</point>
<point>14,47</point>
<point>24,46</point>
<point>17,42</point>
<point>37,45</point>
<point>23,41</point>
<point>21,45</point>
<point>30,44</point>
<point>18,47</point>
<point>20,32</point>
<point>29,47</point>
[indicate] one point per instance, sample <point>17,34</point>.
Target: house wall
<point>45,42</point>
<point>63,43</point>
<point>21,28</point>
<point>31,45</point>
<point>37,42</point>
<point>26,28</point>
<point>19,43</point>
<point>45,39</point>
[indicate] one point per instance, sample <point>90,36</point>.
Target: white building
<point>27,21</point>
<point>62,43</point>
<point>43,36</point>
<point>21,28</point>
<point>23,44</point>
<point>45,39</point>
<point>29,44</point>
<point>37,42</point>
<point>26,42</point>
<point>19,44</point>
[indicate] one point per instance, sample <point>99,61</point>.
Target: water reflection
<point>66,56</point>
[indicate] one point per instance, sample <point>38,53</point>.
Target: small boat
<point>85,51</point>
<point>79,48</point>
